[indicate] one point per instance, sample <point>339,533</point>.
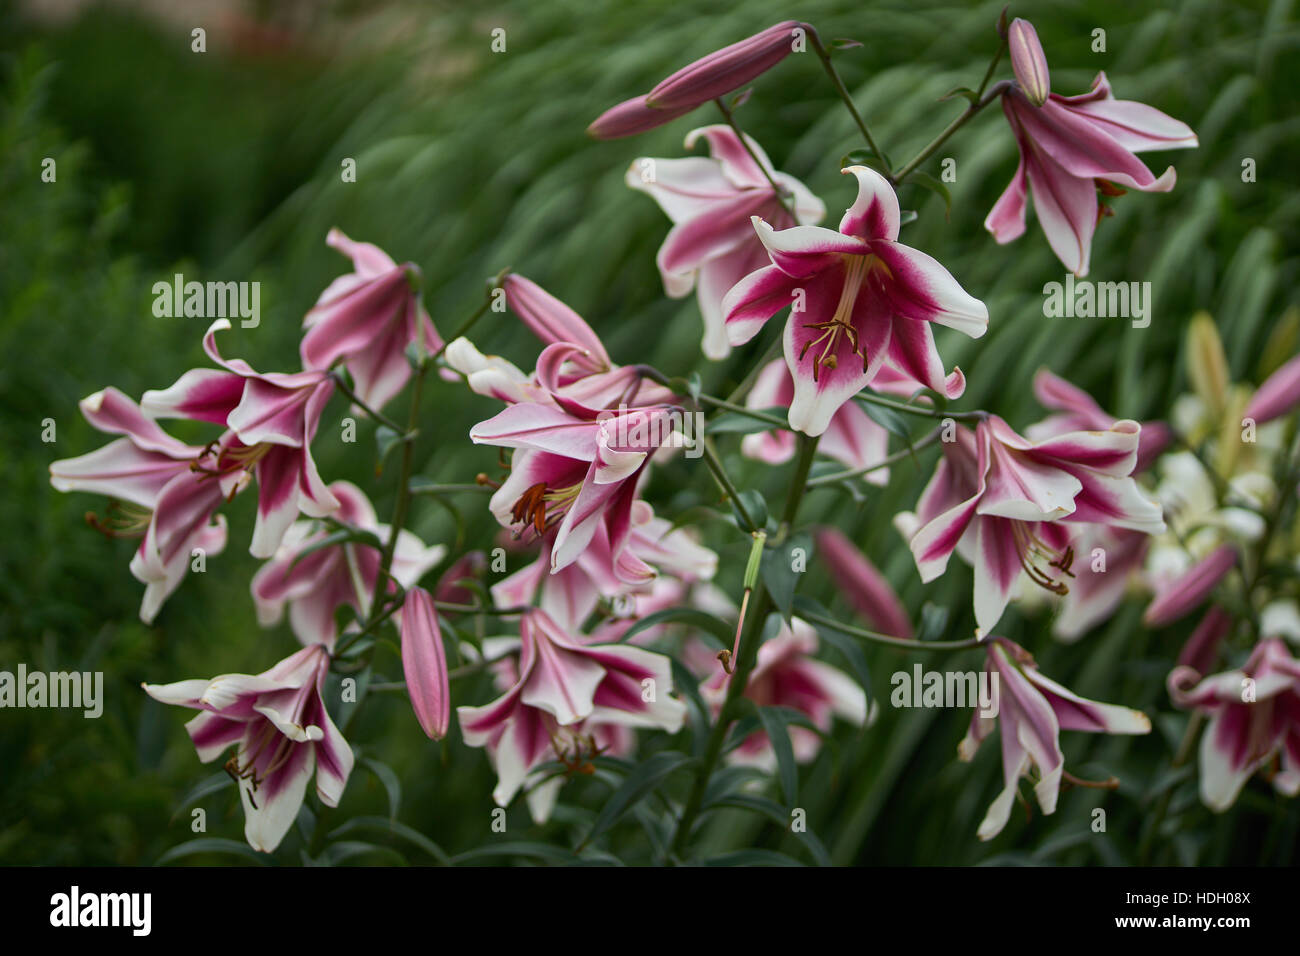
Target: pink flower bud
<point>1202,648</point>
<point>1028,61</point>
<point>864,586</point>
<point>1186,593</point>
<point>725,70</point>
<point>425,664</point>
<point>1278,395</point>
<point>631,117</point>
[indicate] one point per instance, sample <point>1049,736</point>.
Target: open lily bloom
<point>367,319</point>
<point>1254,720</point>
<point>1071,147</point>
<point>1005,504</point>
<point>712,244</point>
<point>313,581</point>
<point>282,731</point>
<point>852,438</point>
<point>1032,710</point>
<point>274,417</point>
<point>1109,562</point>
<point>574,471</point>
<point>574,366</point>
<point>160,493</point>
<point>857,297</point>
<point>1077,411</point>
<point>563,681</point>
<point>787,675</point>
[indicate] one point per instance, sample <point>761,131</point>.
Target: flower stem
<point>757,611</point>
<point>377,415</point>
<point>824,55</point>
<point>781,192</point>
<point>962,119</point>
<point>724,481</point>
<point>926,442</point>
<point>974,416</point>
<point>903,643</point>
<point>742,410</point>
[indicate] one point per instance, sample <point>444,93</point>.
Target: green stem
<point>724,481</point>
<point>748,412</point>
<point>974,416</point>
<point>903,643</point>
<point>782,194</point>
<point>761,605</point>
<point>885,462</point>
<point>378,416</point>
<point>965,117</point>
<point>824,55</point>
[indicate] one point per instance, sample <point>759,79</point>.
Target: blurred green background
<point>225,165</point>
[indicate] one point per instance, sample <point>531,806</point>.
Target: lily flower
<point>278,722</point>
<point>1032,711</point>
<point>574,471</point>
<point>787,675</point>
<point>1254,722</point>
<point>709,77</point>
<point>710,202</point>
<point>561,682</point>
<point>1109,563</point>
<point>857,298</point>
<point>368,318</point>
<point>1071,148</point>
<point>158,494</point>
<point>274,417</point>
<point>313,581</point>
<point>852,438</point>
<point>1077,411</point>
<point>1005,504</point>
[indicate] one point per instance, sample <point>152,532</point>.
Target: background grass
<point>226,166</point>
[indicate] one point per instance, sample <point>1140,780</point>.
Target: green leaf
<point>394,828</point>
<point>209,785</point>
<point>539,851</point>
<point>755,505</point>
<point>866,157</point>
<point>719,628</point>
<point>640,783</point>
<point>737,423</point>
<point>926,181</point>
<point>385,441</point>
<point>386,776</point>
<point>778,733</point>
<point>753,857</point>
<point>934,622</point>
<point>782,568</point>
<point>845,43</point>
<point>213,845</point>
<point>888,419</point>
<point>963,91</point>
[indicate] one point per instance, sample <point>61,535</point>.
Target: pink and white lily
<point>367,319</point>
<point>1032,711</point>
<point>282,732</point>
<point>1006,503</point>
<point>1254,722</point>
<point>1077,411</point>
<point>852,438</point>
<point>561,682</point>
<point>786,674</point>
<point>712,244</point>
<point>273,418</point>
<point>160,495</point>
<point>312,582</point>
<point>574,469</point>
<point>1071,148</point>
<point>858,297</point>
